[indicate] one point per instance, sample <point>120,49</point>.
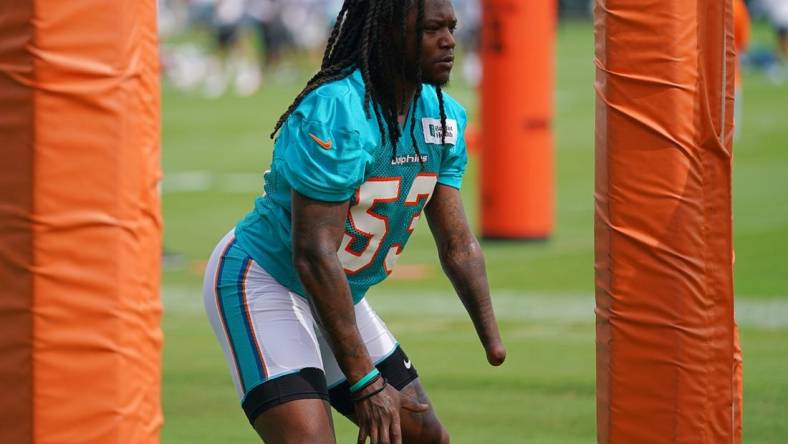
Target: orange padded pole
<point>80,236</point>
<point>16,233</point>
<point>667,360</point>
<point>517,190</point>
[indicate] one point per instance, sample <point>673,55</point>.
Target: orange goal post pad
<point>668,362</point>
<point>80,223</point>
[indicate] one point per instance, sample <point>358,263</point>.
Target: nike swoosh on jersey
<point>326,145</point>
<point>407,364</point>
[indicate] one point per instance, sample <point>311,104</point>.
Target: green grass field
<point>214,152</point>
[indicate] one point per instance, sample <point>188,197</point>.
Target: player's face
<point>437,50</point>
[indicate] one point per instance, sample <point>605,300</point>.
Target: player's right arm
<point>323,161</point>
<point>317,230</point>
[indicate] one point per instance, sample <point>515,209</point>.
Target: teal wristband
<point>361,383</point>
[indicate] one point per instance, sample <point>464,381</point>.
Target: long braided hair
<point>361,38</point>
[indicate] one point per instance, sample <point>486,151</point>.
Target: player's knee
<point>299,436</point>
<point>312,430</point>
<point>439,436</point>
<point>314,436</point>
<point>433,432</point>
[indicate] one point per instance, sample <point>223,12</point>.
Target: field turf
<point>214,152</point>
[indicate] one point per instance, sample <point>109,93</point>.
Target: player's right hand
<point>378,415</point>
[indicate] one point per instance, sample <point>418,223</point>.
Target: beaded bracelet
<point>372,393</point>
<point>368,379</point>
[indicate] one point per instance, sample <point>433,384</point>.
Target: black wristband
<point>372,393</point>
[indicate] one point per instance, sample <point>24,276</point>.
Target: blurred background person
<point>741,35</point>
<point>468,34</point>
<point>774,63</point>
<point>778,14</point>
<point>236,60</point>
<point>234,44</point>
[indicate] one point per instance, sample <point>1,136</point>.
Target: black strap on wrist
<point>372,393</point>
<point>368,383</point>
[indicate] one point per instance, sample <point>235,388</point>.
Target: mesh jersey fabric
<point>328,150</point>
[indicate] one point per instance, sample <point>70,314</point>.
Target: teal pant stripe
<point>234,310</point>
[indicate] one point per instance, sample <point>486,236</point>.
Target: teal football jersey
<point>328,150</point>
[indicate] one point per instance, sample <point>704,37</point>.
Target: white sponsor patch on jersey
<point>433,130</point>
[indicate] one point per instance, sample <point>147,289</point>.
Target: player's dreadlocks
<point>361,38</point>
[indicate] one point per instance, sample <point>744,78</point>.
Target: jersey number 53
<point>374,226</point>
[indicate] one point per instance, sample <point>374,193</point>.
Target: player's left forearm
<point>463,261</point>
<point>464,265</point>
